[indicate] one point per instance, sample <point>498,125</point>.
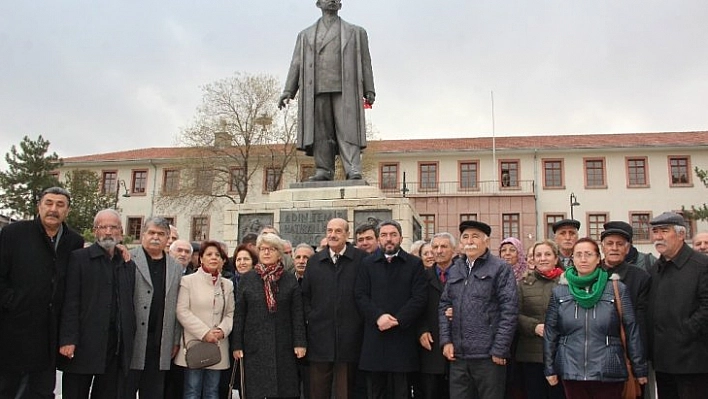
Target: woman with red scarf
<point>205,309</point>
<point>535,289</point>
<point>269,332</point>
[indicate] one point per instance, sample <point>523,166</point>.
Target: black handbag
<point>199,354</point>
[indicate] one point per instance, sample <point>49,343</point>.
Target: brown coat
<point>534,294</point>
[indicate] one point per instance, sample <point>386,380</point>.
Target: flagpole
<point>494,141</point>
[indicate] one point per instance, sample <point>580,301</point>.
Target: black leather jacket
<point>584,344</point>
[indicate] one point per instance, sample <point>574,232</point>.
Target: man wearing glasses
<point>33,258</point>
<point>98,322</point>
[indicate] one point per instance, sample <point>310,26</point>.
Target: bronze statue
<point>331,67</point>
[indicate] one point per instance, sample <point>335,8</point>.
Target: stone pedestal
<point>301,214</point>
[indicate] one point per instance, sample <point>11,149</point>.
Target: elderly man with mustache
<point>157,335</point>
<point>33,258</point>
<point>678,311</point>
<point>98,323</point>
<point>481,290</point>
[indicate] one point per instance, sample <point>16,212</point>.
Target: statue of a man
<point>331,67</point>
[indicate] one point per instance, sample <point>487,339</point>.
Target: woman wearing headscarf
<point>512,251</point>
<point>205,309</point>
<point>582,344</point>
<point>269,333</point>
<point>534,293</point>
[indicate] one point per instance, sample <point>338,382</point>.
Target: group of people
<point>568,317</point>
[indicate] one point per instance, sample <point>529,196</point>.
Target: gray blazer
<point>171,330</point>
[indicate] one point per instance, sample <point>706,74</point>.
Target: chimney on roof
<point>222,138</point>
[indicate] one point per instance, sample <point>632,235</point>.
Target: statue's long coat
<point>357,79</point>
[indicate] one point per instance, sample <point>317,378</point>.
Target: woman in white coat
<point>205,308</point>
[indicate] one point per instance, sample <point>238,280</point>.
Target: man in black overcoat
<point>391,295</point>
<point>334,324</point>
<point>33,258</point>
<point>98,321</point>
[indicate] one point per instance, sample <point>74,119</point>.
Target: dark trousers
<point>330,134</point>
<point>174,382</point>
<point>388,385</point>
<point>477,378</point>
<point>106,385</point>
<point>537,386</point>
<point>432,386</point>
<point>324,376</point>
<point>150,381</point>
<point>682,386</point>
<point>593,389</point>
<point>33,385</point>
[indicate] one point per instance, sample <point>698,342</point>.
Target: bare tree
<point>236,130</point>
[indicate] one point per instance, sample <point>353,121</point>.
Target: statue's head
<point>329,5</point>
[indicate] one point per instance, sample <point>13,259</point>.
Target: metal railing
<point>452,188</point>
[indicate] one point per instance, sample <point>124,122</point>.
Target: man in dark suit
<point>33,257</point>
<point>434,367</point>
<point>157,277</point>
<point>331,67</point>
<point>98,321</point>
<point>334,324</point>
<point>391,295</point>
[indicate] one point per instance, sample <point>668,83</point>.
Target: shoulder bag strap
<point>618,305</point>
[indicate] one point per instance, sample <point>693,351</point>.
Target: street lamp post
<point>126,194</point>
<point>573,203</point>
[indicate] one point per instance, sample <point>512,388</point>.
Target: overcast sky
<point>100,76</point>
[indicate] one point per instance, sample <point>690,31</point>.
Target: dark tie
<point>443,277</point>
<point>336,259</point>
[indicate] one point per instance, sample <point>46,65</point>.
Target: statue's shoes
<point>355,176</point>
<point>319,177</point>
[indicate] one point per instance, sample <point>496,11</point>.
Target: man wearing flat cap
<point>480,286</point>
<point>678,311</point>
<point>633,257</point>
<point>615,242</point>
<point>565,233</point>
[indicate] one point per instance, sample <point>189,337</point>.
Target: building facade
<point>519,185</point>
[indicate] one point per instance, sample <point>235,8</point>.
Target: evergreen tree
<point>29,172</point>
<point>87,199</point>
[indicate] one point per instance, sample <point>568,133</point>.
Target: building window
<point>428,226</point>
<point>139,182</point>
<point>637,172</point>
<point>595,173</point>
<point>204,181</point>
<point>680,169</point>
<point>553,173</point>
<point>389,177</point>
<point>690,225</point>
<point>510,225</point>
<point>509,173</point>
<point>200,228</point>
<point>640,226</point>
<point>272,179</point>
<point>428,173</point>
<point>54,174</point>
<point>170,220</point>
<point>467,216</point>
<point>135,226</point>
<point>109,181</point>
<point>596,222</point>
<point>237,180</point>
<point>551,219</point>
<point>170,181</point>
<point>469,175</point>
<point>306,171</point>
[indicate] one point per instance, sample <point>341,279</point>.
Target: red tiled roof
<point>557,142</point>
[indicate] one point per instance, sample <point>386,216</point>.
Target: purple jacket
<point>485,308</point>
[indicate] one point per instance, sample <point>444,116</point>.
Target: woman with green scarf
<point>582,344</point>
